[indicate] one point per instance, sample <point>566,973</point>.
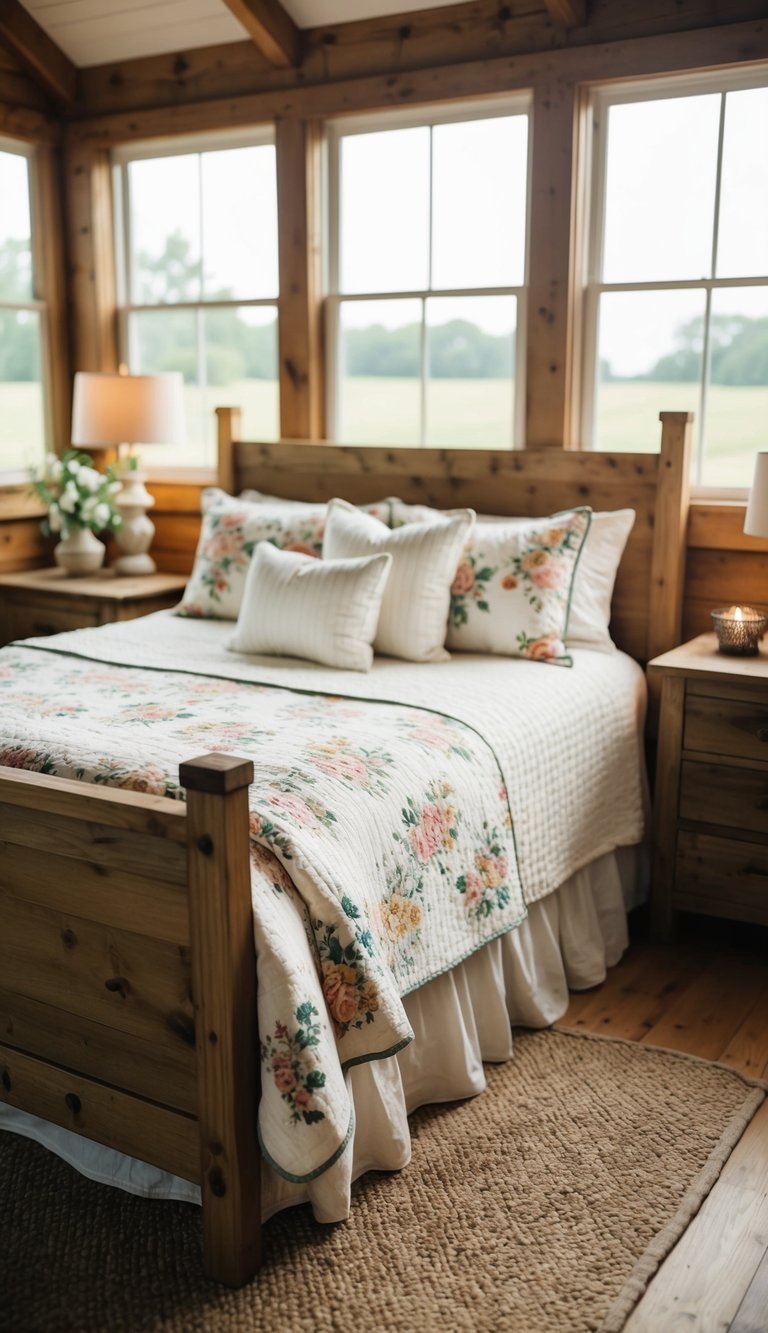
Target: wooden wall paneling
<point>16,87</point>
<point>301,367</point>
<point>48,232</point>
<point>724,565</point>
<point>549,342</point>
<point>735,43</point>
<point>22,545</point>
<point>92,281</point>
<point>474,30</point>
<point>45,61</point>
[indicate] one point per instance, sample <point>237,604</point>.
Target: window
<point>427,271</point>
<point>22,323</point>
<point>198,280</point>
<point>677,292</point>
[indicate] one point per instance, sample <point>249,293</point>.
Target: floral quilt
<point>382,851</point>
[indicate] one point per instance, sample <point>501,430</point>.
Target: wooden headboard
<point>647,600</point>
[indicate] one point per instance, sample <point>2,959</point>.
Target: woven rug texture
<point>545,1204</point>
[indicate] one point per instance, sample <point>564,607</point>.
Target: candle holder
<point>739,629</point>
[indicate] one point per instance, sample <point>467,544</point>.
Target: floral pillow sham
<point>512,591</point>
<point>231,529</point>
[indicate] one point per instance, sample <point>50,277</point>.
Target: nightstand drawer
<point>722,877</point>
<point>731,797</point>
<point>28,622</point>
<point>721,726</point>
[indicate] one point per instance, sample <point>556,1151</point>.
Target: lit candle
<point>739,629</point>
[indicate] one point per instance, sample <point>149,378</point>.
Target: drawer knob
<point>762,733</point>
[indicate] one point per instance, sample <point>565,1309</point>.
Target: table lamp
<point>756,521</point>
<point>123,411</point>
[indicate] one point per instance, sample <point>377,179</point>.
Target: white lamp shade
<point>127,409</point>
<point>756,522</point>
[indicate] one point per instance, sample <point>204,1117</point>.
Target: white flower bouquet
<point>77,495</point>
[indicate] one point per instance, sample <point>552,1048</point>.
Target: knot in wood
<point>5,1079</point>
<point>216,1182</point>
<point>205,844</point>
<point>69,938</point>
<point>119,985</point>
<point>72,1101</point>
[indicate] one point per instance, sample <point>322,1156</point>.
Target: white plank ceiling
<point>94,32</point>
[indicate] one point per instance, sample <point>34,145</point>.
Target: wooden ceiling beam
<point>45,61</point>
<point>570,13</point>
<point>271,29</point>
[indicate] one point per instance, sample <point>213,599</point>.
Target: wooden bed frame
<point>127,969</point>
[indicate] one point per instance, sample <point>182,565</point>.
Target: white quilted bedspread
<point>568,740</point>
<point>349,928</point>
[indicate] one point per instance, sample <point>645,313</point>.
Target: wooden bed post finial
<point>226,1026</point>
<point>228,426</point>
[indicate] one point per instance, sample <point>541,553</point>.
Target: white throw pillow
<point>230,531</point>
<point>512,590</point>
<point>323,610</point>
<point>589,620</point>
<point>414,610</point>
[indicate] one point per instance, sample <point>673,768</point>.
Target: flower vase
<point>80,553</point>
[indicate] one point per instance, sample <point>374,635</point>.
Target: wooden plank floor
<point>707,996</point>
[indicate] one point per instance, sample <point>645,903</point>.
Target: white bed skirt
<point>459,1020</point>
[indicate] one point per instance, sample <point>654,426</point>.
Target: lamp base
<point>135,564</point>
<point>134,536</point>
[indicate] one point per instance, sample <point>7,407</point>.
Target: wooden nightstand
<point>45,601</point>
<point>711,801</point>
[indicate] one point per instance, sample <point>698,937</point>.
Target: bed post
<point>228,426</point>
<point>670,532</point>
<point>226,1026</point>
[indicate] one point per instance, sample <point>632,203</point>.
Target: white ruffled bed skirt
<point>460,1019</point>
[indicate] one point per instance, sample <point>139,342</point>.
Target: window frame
<point>427,116</point>
<point>13,477</point>
<point>602,98</point>
<point>121,156</point>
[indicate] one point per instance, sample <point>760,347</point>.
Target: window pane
<point>165,229</point>
<point>479,202</point>
<point>737,399</point>
<point>660,189</point>
<point>380,385</point>
<point>649,359</point>
<point>22,421</point>
<point>239,224</point>
<point>15,234</point>
<point>470,342</point>
<point>742,248</point>
<point>384,211</point>
<point>241,367</point>
<point>168,340</point>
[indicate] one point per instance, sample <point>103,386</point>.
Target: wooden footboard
<point>128,981</point>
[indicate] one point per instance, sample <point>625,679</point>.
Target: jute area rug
<point>544,1204</point>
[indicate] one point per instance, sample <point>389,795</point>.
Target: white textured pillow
<point>230,531</point>
<point>512,590</point>
<point>414,610</point>
<point>589,620</point>
<point>323,610</point>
